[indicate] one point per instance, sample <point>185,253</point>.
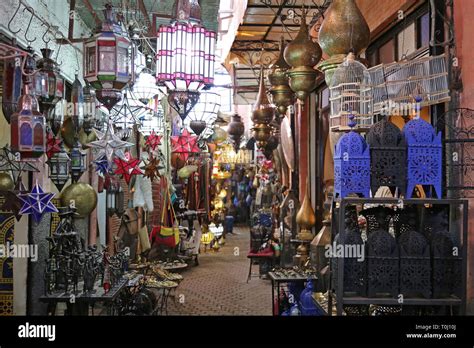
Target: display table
<point>78,303</point>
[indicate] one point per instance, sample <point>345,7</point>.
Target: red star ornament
<point>185,144</point>
<point>53,145</point>
<point>127,167</point>
<point>153,140</point>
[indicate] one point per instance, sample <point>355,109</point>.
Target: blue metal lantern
<point>351,164</point>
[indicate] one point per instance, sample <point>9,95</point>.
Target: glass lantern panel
<point>122,60</point>
<point>91,60</point>
<point>107,61</point>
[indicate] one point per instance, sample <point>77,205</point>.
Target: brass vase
<point>80,195</point>
<point>262,115</point>
<point>302,54</point>
<point>343,29</point>
<point>306,219</point>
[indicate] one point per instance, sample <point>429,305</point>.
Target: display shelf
<point>342,299</point>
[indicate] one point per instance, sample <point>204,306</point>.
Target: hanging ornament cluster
<point>282,95</point>
<point>183,145</point>
<point>302,54</point>
<point>262,115</point>
<point>127,167</point>
<point>37,203</point>
<point>153,140</point>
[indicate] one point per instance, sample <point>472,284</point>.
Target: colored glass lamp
<point>108,64</point>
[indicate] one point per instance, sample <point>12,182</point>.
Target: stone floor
<point>218,286</point>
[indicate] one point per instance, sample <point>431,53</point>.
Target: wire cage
<point>399,83</point>
<point>350,92</point>
<point>203,115</point>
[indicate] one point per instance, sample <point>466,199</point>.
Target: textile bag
<point>144,239</point>
<point>164,235</point>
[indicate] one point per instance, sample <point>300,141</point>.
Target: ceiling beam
<point>277,15</point>
<point>72,8</point>
<point>93,13</point>
<point>143,10</point>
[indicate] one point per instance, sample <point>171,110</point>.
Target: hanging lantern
<point>52,85</point>
<point>11,87</point>
<point>145,88</point>
<point>236,130</point>
<point>115,199</point>
<point>78,162</point>
<point>343,29</point>
<point>81,196</point>
<point>108,64</point>
<point>302,54</point>
<point>89,109</point>
<point>77,99</point>
<point>262,115</point>
<point>185,58</point>
<point>282,95</point>
<point>28,130</point>
<point>110,200</point>
<point>127,113</point>
<point>202,117</point>
<point>59,167</point>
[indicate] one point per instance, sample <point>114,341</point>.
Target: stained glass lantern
<point>51,85</point>
<point>59,167</point>
<point>387,156</point>
<point>28,129</point>
<point>202,117</point>
<point>351,164</point>
<point>185,57</point>
<point>145,88</point>
<point>424,158</point>
<point>108,64</point>
<point>78,162</point>
<point>12,86</point>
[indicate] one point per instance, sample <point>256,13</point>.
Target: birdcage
<point>350,92</point>
<point>397,84</point>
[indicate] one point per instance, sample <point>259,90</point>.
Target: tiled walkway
<point>218,286</point>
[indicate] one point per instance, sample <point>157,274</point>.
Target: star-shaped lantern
<point>185,144</point>
<point>127,167</point>
<point>102,165</point>
<point>37,203</point>
<point>53,145</point>
<point>11,161</point>
<point>12,201</point>
<point>153,140</point>
<point>109,144</point>
<point>152,168</point>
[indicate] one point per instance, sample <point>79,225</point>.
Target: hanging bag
<point>164,235</point>
<point>144,238</point>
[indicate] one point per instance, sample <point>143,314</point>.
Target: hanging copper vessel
<point>236,130</point>
<point>282,95</point>
<point>197,126</point>
<point>82,195</point>
<point>343,29</point>
<point>306,219</point>
<point>262,115</point>
<point>302,54</point>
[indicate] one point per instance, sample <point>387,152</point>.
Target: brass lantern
<point>108,64</point>
<point>236,130</point>
<point>282,95</point>
<point>343,29</point>
<point>262,115</point>
<point>50,84</point>
<point>302,54</point>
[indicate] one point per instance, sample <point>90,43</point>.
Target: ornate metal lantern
<point>51,83</point>
<point>77,99</point>
<point>59,167</point>
<point>11,86</point>
<point>424,159</point>
<point>387,156</point>
<point>236,130</point>
<point>28,129</point>
<point>282,95</point>
<point>89,109</point>
<point>115,199</point>
<point>185,58</point>
<point>262,115</point>
<point>78,162</point>
<point>343,29</point>
<point>202,117</point>
<point>108,64</point>
<point>127,113</point>
<point>145,88</point>
<point>351,164</point>
<point>302,54</point>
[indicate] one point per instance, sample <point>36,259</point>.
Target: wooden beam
<point>72,8</point>
<point>93,13</point>
<point>151,29</point>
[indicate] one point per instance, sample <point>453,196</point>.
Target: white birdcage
<point>350,92</point>
<point>397,84</point>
